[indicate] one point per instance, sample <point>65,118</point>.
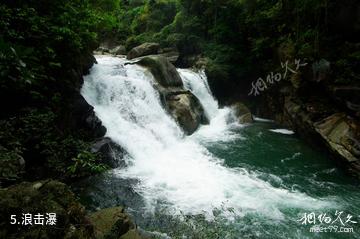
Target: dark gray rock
<point>164,72</point>
<point>242,113</point>
<point>187,111</point>
<point>43,197</point>
<point>118,50</point>
<point>171,53</point>
<point>341,133</point>
<point>83,116</point>
<point>181,104</point>
<point>143,50</point>
<point>114,223</point>
<point>111,152</point>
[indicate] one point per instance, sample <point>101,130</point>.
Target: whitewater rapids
<point>177,172</point>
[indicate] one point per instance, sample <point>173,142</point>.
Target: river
<point>227,180</point>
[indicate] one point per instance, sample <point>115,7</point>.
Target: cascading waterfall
<point>174,172</point>
<point>198,85</point>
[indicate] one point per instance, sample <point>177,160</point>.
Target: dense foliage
<point>237,34</point>
<point>45,47</point>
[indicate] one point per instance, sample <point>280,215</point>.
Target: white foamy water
<point>221,120</point>
<point>258,119</point>
<point>282,131</point>
<point>174,171</point>
<point>197,83</point>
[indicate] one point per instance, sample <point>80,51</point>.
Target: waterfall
<point>198,85</point>
<point>176,172</point>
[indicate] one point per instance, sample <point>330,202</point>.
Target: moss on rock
<point>113,223</point>
<point>40,198</point>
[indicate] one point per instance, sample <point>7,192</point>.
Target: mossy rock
<point>113,223</point>
<point>242,113</point>
<point>131,234</point>
<point>12,166</point>
<point>163,71</point>
<point>43,197</point>
<point>187,110</point>
<point>143,50</point>
<point>182,105</point>
<point>341,133</point>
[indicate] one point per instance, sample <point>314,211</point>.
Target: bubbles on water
<point>176,173</point>
<point>294,156</point>
<point>282,131</point>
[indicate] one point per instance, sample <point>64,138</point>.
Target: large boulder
<point>143,50</point>
<point>182,105</point>
<point>111,152</point>
<point>187,111</point>
<point>341,133</point>
<point>164,72</point>
<point>41,198</point>
<point>242,113</point>
<point>112,223</point>
<point>302,116</point>
<point>83,116</point>
<point>110,46</point>
<point>171,53</point>
<point>118,50</point>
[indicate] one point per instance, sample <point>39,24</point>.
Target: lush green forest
<point>256,31</point>
<point>46,47</point>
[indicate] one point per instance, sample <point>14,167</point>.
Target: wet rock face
<point>338,132</point>
<point>341,133</point>
<point>83,116</point>
<point>114,223</point>
<point>111,152</point>
<point>43,197</point>
<point>164,72</point>
<point>110,47</point>
<point>111,223</point>
<point>187,111</point>
<point>143,50</point>
<point>71,219</point>
<point>181,104</point>
<point>242,113</point>
<point>118,50</point>
<point>171,53</point>
<point>323,110</point>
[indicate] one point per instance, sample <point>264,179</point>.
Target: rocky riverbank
<point>324,113</point>
<point>71,219</point>
<point>330,121</point>
<point>50,196</point>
